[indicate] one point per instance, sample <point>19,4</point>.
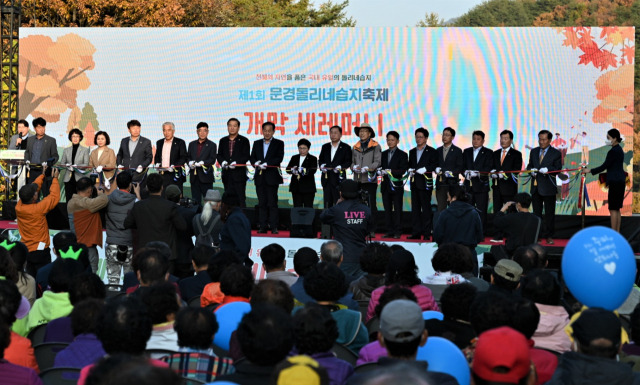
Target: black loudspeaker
<point>9,210</point>
<point>302,222</point>
<point>325,232</point>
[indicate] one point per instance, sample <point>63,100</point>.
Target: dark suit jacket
<point>191,287</point>
<point>178,156</point>
<point>399,165</point>
<point>428,160</point>
<point>483,163</point>
<point>546,185</point>
<point>49,149</point>
<point>142,155</point>
<point>275,153</point>
<point>453,163</point>
<point>342,158</point>
<point>208,156</point>
<point>241,154</point>
<point>512,161</point>
<point>306,183</point>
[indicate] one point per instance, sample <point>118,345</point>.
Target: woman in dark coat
<point>302,167</point>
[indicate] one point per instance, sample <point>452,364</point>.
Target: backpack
<point>204,236</point>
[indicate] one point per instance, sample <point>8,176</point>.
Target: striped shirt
<point>199,365</point>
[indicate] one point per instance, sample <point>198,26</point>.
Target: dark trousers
<point>481,201</point>
<point>421,214</point>
<point>392,202</point>
<point>331,194</point>
<point>238,188</point>
<point>498,201</point>
<point>46,184</point>
<point>36,260</point>
<point>441,197</point>
<point>70,188</point>
<point>548,221</point>
<point>371,189</point>
<point>267,205</point>
<point>169,178</point>
<point>303,199</point>
<point>199,190</point>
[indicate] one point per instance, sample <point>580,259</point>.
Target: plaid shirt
<point>199,364</point>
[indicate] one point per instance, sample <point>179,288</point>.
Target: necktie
<point>542,151</point>
<point>445,151</point>
<point>504,153</point>
<point>231,144</point>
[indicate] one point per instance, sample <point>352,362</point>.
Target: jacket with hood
<point>51,306</point>
<point>459,223</point>
<point>370,157</point>
<point>578,368</point>
<point>365,285</point>
<point>550,333</point>
<point>120,203</point>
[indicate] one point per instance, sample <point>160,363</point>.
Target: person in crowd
<point>72,156</point>
<point>265,335</point>
<point>156,218</point>
<point>374,260</point>
<point>527,258</point>
<point>135,152</point>
<point>450,164</point>
<point>163,303</point>
<point>41,150</point>
<point>478,162</point>
<point>630,352</point>
<point>596,344</point>
<point>61,242</point>
<point>119,244</point>
<point>332,251</point>
<point>296,369</point>
<point>303,167</point>
<point>423,162</point>
<point>196,328</point>
<point>274,263</point>
<point>31,214</point>
<point>459,223</point>
<point>26,284</point>
<point>502,356</point>
<point>208,224</point>
<point>334,160</point>
<point>266,156</point>
<point>125,369</point>
<point>542,160</point>
<point>351,222</point>
<point>365,161</point>
<point>233,155</point>
<point>201,156</point>
<point>13,374</point>
<point>402,270</point>
<point>616,176</point>
<point>543,289</point>
<point>192,287</point>
<point>130,281</point>
<point>211,294</point>
<point>235,234</point>
<point>184,238</point>
<point>394,164</point>
<point>170,152</point>
<point>18,141</point>
<point>505,276</point>
<point>505,183</point>
<point>455,303</point>
<point>236,283</point>
<point>151,267</point>
<point>103,157</point>
<point>315,331</point>
<point>13,306</point>
<point>444,259</point>
<point>326,284</point>
<point>85,348</point>
<point>491,310</point>
<point>518,226</point>
<point>86,217</point>
<point>464,265</point>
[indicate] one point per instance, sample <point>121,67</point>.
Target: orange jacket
<point>32,217</point>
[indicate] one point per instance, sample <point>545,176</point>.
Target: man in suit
<point>266,156</point>
<point>543,159</point>
<point>202,152</point>
<point>449,168</point>
<point>422,163</point>
<point>191,287</point>
<point>478,162</point>
<point>170,152</point>
<point>303,167</point>
<point>505,185</point>
<point>19,142</point>
<point>135,152</point>
<point>396,162</point>
<point>234,149</point>
<point>334,160</point>
<point>40,148</point>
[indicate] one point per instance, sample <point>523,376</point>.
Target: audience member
<point>373,261</point>
<point>275,264</point>
<point>630,352</point>
<point>505,276</point>
<point>208,224</point>
<point>502,357</point>
<point>527,258</point>
<point>125,369</point>
<point>61,242</point>
<point>236,283</point>
<point>13,306</point>
<point>519,227</point>
<point>490,310</point>
<point>184,238</point>
<point>295,370</point>
<point>332,251</point>
<point>444,260</point>
<point>162,303</point>
<point>235,234</point>
<point>211,294</point>
<point>465,267</point>
<point>151,266</point>
<point>85,348</point>
<point>13,374</point>
<point>191,287</point>
<point>455,304</point>
<point>18,254</point>
<point>399,374</point>
<point>130,281</point>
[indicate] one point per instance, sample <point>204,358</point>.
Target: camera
<point>187,202</point>
<point>364,197</point>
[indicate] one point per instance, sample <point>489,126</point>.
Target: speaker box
<point>9,210</point>
<point>302,222</point>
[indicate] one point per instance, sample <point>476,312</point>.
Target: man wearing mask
<point>334,160</point>
<point>233,150</point>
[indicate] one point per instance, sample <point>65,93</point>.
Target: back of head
<point>456,301</point>
<point>506,274</point>
<point>325,282</point>
<point>274,292</point>
<point>86,285</point>
<point>349,189</point>
<point>62,241</point>
<point>402,269</point>
<point>219,262</point>
<point>540,286</point>
<point>524,199</point>
<point>542,254</point>
<point>314,329</point>
<point>18,254</point>
<point>152,266</point>
<point>123,180</point>
<point>265,335</point>
<point>490,310</point>
<point>399,374</point>
<point>273,256</point>
<point>28,192</point>
<point>63,272</point>
<point>84,316</point>
<point>8,268</point>
<point>237,281</point>
<point>124,326</point>
<point>304,259</point>
<point>458,193</point>
<point>392,293</point>
<point>527,258</point>
<point>196,327</point>
<point>154,183</point>
<point>161,301</point>
<point>502,357</point>
<point>402,328</point>
<point>201,254</point>
<point>451,257</point>
<point>331,251</point>
<point>124,369</point>
<point>375,258</point>
<point>84,184</point>
<point>597,333</point>
<point>10,299</point>
<point>526,317</point>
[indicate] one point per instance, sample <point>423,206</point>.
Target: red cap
<point>502,355</point>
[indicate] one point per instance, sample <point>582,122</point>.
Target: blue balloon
<point>599,267</point>
<point>444,356</point>
<point>229,317</point>
<point>432,314</point>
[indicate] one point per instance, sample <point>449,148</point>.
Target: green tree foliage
<point>431,20</point>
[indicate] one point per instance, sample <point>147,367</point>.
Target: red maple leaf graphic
<point>571,40</point>
<point>629,53</point>
<point>607,30</point>
<point>599,58</point>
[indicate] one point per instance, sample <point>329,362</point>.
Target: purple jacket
<point>59,330</point>
<point>338,370</point>
<point>85,350</point>
<point>370,353</point>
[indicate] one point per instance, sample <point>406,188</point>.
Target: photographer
<point>351,222</point>
<point>187,208</point>
<point>517,223</point>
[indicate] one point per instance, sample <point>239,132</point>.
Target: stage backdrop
<point>575,82</point>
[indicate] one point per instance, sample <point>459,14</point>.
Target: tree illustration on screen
<point>89,124</point>
<point>52,73</point>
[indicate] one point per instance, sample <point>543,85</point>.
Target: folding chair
<point>60,376</point>
<point>46,353</point>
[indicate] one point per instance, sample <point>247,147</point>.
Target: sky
<point>402,13</point>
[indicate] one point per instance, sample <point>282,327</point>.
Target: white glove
<point>232,165</point>
<point>534,171</point>
<point>157,165</point>
<point>448,174</point>
<point>257,164</point>
<point>69,167</point>
<point>192,163</point>
<point>364,169</point>
<point>474,174</point>
<point>120,167</point>
<point>544,170</point>
<point>139,169</point>
<point>356,168</point>
<point>421,170</point>
<point>224,164</point>
<point>44,164</point>
<point>438,170</point>
<point>27,162</point>
<point>494,175</point>
<point>379,172</point>
<point>107,185</point>
<point>263,166</point>
<point>99,169</point>
<point>294,170</point>
<point>187,168</point>
<point>67,164</point>
<point>171,168</point>
<point>323,168</point>
<point>302,170</point>
<point>411,170</point>
<point>200,163</point>
<point>337,169</point>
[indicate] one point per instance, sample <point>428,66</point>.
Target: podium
<point>9,155</point>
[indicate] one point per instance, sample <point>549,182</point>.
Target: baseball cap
<point>508,269</point>
<point>401,321</point>
<point>172,191</point>
<point>349,188</point>
<point>502,355</point>
<point>212,196</point>
<point>596,323</point>
<point>356,130</point>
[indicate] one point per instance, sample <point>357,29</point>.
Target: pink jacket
<point>550,333</point>
<point>423,293</point>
